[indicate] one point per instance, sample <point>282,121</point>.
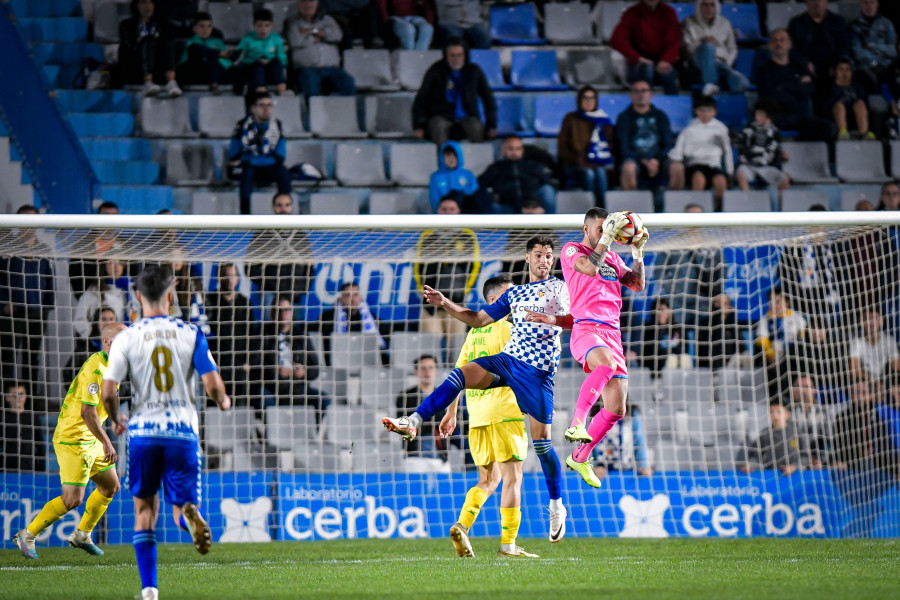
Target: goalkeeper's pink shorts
<point>586,336</point>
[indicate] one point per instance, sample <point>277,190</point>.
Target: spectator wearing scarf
<point>585,152</point>
<point>351,314</point>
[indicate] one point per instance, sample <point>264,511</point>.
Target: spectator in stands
<point>293,279</point>
<point>663,341</point>
<point>357,19</point>
<point>700,152</point>
<point>875,352</point>
<point>410,21</point>
<point>719,338</point>
<point>811,419</point>
<point>83,271</point>
<point>21,432</point>
<point>262,59</point>
<point>889,198</point>
<point>848,98</point>
<point>427,443</point>
<point>821,37</point>
<point>584,147</point>
<point>290,361</point>
<point>506,183</point>
<point>111,290</point>
<point>314,37</point>
<point>462,19</point>
<point>864,460</point>
<point>146,51</point>
<point>446,104</point>
<point>873,42</point>
<point>26,299</point>
<point>779,446</point>
<point>711,48</point>
<point>867,270</point>
<point>624,448</point>
<point>643,139</point>
<point>776,335</point>
<point>93,343</point>
<point>205,60</point>
<point>258,149</point>
<point>351,314</point>
<point>760,151</point>
<point>232,325</point>
<point>864,204</point>
<point>649,37</point>
<point>452,179</point>
<point>821,351</point>
<point>787,79</point>
<point>178,14</point>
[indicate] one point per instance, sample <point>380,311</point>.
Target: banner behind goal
<point>319,330</point>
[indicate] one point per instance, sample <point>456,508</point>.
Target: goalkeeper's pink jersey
<point>594,299</point>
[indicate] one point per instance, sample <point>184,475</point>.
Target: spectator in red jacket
<point>649,37</point>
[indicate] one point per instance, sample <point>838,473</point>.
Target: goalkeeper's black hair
<point>154,281</point>
<point>495,283</point>
<point>539,240</point>
<point>595,213</point>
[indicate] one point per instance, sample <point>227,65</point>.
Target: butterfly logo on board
<point>644,518</point>
<point>246,522</point>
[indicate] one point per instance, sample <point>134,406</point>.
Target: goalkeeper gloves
<point>637,247</point>
<point>611,226</point>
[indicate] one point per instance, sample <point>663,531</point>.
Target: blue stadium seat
<point>70,29</point>
<point>613,104</point>
<point>683,9</point>
<point>549,110</point>
<point>489,61</point>
<point>535,70</point>
<point>744,20</point>
<point>94,101</point>
<point>732,109</point>
<point>102,124</point>
<point>139,172</point>
<point>123,149</point>
<point>66,54</point>
<point>515,25</point>
<point>744,63</point>
<point>679,109</point>
<point>140,200</point>
<point>511,116</point>
<point>46,8</point>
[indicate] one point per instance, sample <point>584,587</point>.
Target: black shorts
<point>707,171</point>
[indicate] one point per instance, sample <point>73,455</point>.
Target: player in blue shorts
<point>161,354</point>
<point>526,364</point>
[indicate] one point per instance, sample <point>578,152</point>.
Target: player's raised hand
<point>225,403</point>
<point>637,245</point>
<point>109,452</point>
<point>611,226</point>
<point>448,424</point>
<point>121,425</point>
<point>432,296</point>
<point>539,318</point>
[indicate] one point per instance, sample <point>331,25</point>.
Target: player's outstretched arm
<point>92,420</point>
<point>460,313</point>
<point>564,321</point>
<point>635,279</point>
<point>215,389</point>
<point>109,393</point>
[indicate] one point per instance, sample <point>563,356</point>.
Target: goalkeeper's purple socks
<point>590,391</point>
<point>443,396</point>
<point>145,548</point>
<point>599,427</point>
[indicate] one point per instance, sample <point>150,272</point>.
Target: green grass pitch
<point>758,569</point>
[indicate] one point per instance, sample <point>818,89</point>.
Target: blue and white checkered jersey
<point>161,355</point>
<point>536,344</point>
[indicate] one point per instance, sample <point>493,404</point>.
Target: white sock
<point>508,548</point>
<point>556,504</point>
<point>415,420</point>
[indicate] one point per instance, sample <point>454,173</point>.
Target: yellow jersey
<point>71,428</point>
<point>496,405</point>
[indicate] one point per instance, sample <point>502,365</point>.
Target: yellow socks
<point>510,519</point>
<point>52,512</point>
<point>474,500</point>
<point>93,509</point>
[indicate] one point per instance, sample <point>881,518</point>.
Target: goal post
<point>319,330</point>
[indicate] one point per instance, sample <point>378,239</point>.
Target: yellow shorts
<point>78,463</point>
<point>499,442</point>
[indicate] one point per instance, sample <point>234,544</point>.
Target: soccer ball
<point>634,228</point>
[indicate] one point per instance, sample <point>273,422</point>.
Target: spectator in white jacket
<point>710,48</point>
<point>702,153</point>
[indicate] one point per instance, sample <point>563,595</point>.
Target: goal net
<point>764,372</point>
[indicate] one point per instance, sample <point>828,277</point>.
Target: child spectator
<point>146,51</point>
<point>451,179</point>
<point>700,150</point>
<point>263,58</point>
<point>759,147</point>
<point>847,95</point>
<point>205,58</point>
<point>779,446</point>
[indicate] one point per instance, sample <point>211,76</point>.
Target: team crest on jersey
<point>93,389</point>
<point>608,273</point>
<point>571,250</point>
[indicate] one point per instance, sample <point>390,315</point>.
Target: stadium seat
<point>800,200</point>
<point>549,110</point>
<point>590,67</point>
<point>744,20</point>
<point>679,109</point>
<point>568,23</point>
<point>779,14</point>
<point>848,10</point>
<point>610,15</point>
<point>752,201</point>
<point>334,117</point>
<point>477,157</point>
<point>381,388</point>
<point>895,159</point>
<point>535,70</point>
<point>280,10</point>
<point>639,201</point>
<point>392,203</point>
<point>107,16</point>
<point>307,152</point>
<point>732,110</point>
<point>515,25</point>
<point>333,204</point>
<point>352,351</point>
<point>675,201</point>
<point>289,110</point>
<point>233,20</point>
<point>360,164</point>
<point>574,202</point>
<point>166,118</point>
<point>406,347</point>
<point>613,104</point>
<point>189,164</point>
<point>217,115</point>
<point>225,429</point>
<point>412,65</point>
<point>124,149</point>
<point>850,197</point>
<point>371,69</point>
<point>743,64</point>
<point>511,115</point>
<point>110,124</point>
<point>381,458</point>
<point>413,164</point>
<point>389,116</point>
<point>286,425</point>
<point>808,162</point>
<point>489,61</point>
<point>215,203</point>
<point>261,203</point>
<point>359,424</point>
<point>860,162</point>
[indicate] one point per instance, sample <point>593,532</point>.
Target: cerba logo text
<point>19,512</point>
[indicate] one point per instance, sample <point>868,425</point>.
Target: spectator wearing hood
<point>452,178</point>
<point>585,152</point>
<point>711,48</point>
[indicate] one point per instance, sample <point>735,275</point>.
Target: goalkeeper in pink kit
<point>594,277</point>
